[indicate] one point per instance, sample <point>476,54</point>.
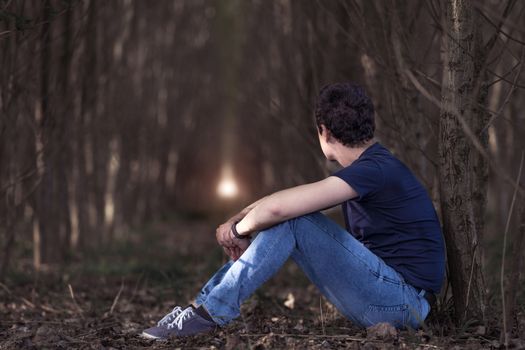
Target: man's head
<point>346,112</point>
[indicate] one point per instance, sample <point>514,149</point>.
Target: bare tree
<point>463,171</point>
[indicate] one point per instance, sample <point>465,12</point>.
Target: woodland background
<point>119,118</point>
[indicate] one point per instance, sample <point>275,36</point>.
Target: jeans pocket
<point>396,315</point>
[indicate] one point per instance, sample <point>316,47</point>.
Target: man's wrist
<point>237,234</point>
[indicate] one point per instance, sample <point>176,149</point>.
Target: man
<point>385,267</point>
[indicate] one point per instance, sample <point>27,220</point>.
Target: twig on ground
<point>28,303</point>
<point>136,287</point>
<point>97,329</point>
<point>322,318</point>
<point>502,275</point>
<point>79,309</point>
<point>49,309</point>
<point>31,322</point>
<point>115,301</point>
<point>4,287</point>
<point>73,340</point>
<point>343,336</point>
<point>250,345</point>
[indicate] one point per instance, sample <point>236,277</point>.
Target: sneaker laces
<point>170,316</point>
<point>183,316</point>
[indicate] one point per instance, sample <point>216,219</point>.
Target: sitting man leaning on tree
<point>385,267</point>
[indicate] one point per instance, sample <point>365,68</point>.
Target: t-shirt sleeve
<point>364,176</point>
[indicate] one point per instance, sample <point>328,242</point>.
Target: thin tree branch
<point>485,66</point>
<point>502,274</point>
<point>492,41</point>
<point>468,131</point>
<point>505,34</point>
<point>115,301</point>
<point>507,73</point>
<point>507,98</point>
<point>479,5</point>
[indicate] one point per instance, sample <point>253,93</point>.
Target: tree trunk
<point>7,233</point>
<point>64,157</point>
<point>48,228</point>
<point>515,261</point>
<point>463,171</point>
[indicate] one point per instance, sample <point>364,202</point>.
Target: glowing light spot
<point>227,188</point>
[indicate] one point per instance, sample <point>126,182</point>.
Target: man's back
<point>393,216</point>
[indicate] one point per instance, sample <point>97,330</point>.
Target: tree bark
<point>516,262</point>
<point>46,206</point>
<point>463,171</point>
<point>64,143</point>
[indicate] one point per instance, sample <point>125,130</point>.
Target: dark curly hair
<point>347,112</point>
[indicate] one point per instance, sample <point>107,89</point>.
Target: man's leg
<point>359,284</point>
<point>263,258</point>
<point>212,283</point>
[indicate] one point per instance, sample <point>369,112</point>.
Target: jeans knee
<point>311,217</point>
<point>290,225</point>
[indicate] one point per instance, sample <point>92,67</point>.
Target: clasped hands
<point>232,246</point>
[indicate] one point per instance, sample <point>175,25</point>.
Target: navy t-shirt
<point>393,216</point>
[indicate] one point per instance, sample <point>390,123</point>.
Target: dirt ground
<point>105,298</point>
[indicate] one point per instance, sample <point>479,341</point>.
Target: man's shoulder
<point>379,156</point>
<point>383,157</point>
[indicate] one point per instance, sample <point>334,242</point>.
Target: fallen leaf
<point>290,301</point>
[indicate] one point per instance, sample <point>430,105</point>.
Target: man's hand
<point>235,253</point>
<point>224,235</point>
<point>232,246</point>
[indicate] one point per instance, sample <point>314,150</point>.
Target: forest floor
<point>104,299</point>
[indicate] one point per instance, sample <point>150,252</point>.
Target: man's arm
<point>240,215</point>
<point>294,202</point>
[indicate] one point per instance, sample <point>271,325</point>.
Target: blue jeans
<point>359,284</point>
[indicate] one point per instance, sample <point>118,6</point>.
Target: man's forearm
<point>260,216</point>
<point>293,202</point>
<point>240,215</point>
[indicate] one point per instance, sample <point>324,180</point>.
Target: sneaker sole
<point>152,337</point>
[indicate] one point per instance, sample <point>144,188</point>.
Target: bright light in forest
<point>227,188</point>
